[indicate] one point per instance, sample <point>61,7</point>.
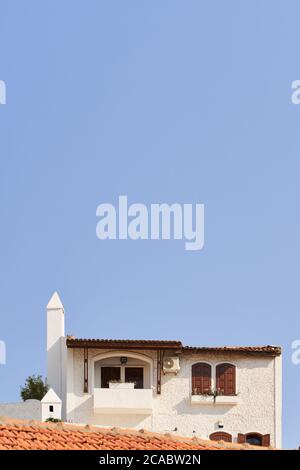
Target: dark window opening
<point>131,374</point>
<point>109,374</point>
<point>254,439</point>
<point>136,375</point>
<point>51,408</point>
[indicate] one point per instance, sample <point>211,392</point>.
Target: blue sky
<point>164,102</point>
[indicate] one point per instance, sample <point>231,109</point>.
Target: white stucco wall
<point>30,409</point>
<point>258,388</point>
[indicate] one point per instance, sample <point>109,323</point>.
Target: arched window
<point>225,379</point>
<point>254,439</point>
<point>221,436</point>
<point>201,378</point>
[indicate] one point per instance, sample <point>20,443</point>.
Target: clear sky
<point>169,101</point>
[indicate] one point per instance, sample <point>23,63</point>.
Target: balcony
<point>123,400</point>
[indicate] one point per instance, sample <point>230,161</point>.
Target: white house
<point>228,393</point>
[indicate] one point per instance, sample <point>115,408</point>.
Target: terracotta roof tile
<point>73,342</point>
<point>269,350</point>
<point>20,435</point>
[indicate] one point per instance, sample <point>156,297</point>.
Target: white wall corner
<point>278,400</point>
<point>70,389</point>
<point>56,347</point>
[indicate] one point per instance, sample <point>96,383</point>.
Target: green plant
<point>34,388</point>
<point>53,420</point>
<point>206,392</point>
<point>119,381</point>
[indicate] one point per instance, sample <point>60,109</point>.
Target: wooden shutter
<point>241,438</point>
<point>226,379</point>
<point>201,378</point>
<point>221,436</point>
<point>266,440</point>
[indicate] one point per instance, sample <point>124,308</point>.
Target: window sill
<point>218,400</point>
<point>227,400</point>
<point>202,400</point>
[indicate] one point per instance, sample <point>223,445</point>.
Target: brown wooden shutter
<point>266,440</point>
<point>221,436</point>
<point>241,438</point>
<point>226,379</point>
<point>201,378</point>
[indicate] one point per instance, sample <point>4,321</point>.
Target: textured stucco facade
<point>258,382</point>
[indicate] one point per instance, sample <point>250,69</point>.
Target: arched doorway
<point>221,436</point>
<point>122,369</point>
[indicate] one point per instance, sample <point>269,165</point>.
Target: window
<point>225,379</point>
<point>136,375</point>
<point>109,374</point>
<point>201,378</point>
<point>221,436</point>
<point>122,374</point>
<point>51,408</point>
<point>254,439</point>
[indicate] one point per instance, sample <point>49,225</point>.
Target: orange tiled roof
<point>34,435</point>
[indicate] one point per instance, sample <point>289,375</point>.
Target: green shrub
<point>34,388</point>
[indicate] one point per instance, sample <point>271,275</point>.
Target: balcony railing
<point>123,400</point>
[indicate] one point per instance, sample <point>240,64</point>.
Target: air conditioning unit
<point>171,365</point>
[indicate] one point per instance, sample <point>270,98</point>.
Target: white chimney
<point>56,347</point>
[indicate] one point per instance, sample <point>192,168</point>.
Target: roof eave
<point>263,351</point>
<point>91,344</point>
